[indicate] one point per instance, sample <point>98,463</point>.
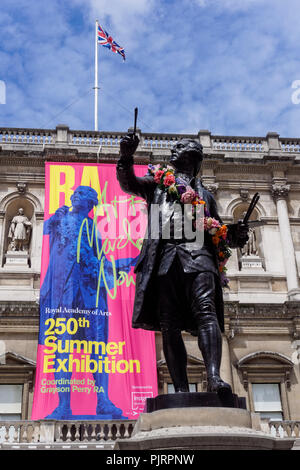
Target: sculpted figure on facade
<point>19,232</point>
<point>250,248</point>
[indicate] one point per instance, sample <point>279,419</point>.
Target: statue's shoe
<point>217,385</point>
<point>61,412</point>
<point>106,407</point>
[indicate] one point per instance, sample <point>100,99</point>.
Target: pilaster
<point>280,191</point>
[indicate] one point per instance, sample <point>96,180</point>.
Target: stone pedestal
<point>252,264</point>
<point>16,259</point>
<point>194,400</point>
<point>201,427</point>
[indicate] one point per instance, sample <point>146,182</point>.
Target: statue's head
<point>84,199</point>
<point>21,211</point>
<point>187,155</point>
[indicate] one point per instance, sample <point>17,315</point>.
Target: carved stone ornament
<point>280,191</point>
<point>211,187</point>
<point>244,193</point>
<point>21,187</point>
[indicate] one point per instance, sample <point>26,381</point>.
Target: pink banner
<point>91,364</point>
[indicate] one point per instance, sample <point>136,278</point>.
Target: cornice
<point>12,309</point>
<point>268,310</point>
<point>249,161</point>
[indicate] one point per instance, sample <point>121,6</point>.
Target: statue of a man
<point>19,230</point>
<point>250,247</point>
<point>177,287</point>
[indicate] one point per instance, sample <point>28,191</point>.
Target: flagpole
<point>96,88</point>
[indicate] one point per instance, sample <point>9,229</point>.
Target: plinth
<point>252,263</point>
<point>16,259</point>
<point>188,400</point>
<point>206,421</point>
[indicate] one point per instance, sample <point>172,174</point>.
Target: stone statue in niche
<point>19,232</point>
<point>250,248</point>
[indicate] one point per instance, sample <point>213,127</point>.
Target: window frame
<point>267,367</point>
<point>280,395</point>
<point>18,370</point>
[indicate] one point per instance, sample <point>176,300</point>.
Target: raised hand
<point>238,234</point>
<point>62,211</point>
<point>128,145</point>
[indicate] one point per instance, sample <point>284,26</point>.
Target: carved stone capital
<point>280,191</point>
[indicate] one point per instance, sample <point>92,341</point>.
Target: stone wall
<point>262,320</point>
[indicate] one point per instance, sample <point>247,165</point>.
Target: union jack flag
<point>107,41</point>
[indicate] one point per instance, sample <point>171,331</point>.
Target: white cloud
<point>226,69</point>
<point>233,5</point>
<point>125,20</point>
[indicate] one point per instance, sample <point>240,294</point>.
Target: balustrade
<point>89,432</point>
<point>27,136</point>
<point>284,428</point>
<point>239,144</point>
<point>149,141</point>
<point>12,432</point>
<point>19,431</point>
<point>290,145</point>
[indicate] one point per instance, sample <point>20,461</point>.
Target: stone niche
<point>250,257</point>
<point>17,254</point>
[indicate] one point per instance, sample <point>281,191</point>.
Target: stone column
<point>280,192</point>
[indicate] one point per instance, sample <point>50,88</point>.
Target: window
<point>16,382</point>
<point>192,387</point>
<point>10,402</point>
<point>267,400</point>
<point>266,375</point>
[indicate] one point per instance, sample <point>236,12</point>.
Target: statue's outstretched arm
<point>130,183</point>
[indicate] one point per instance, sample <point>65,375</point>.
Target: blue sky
<point>223,65</point>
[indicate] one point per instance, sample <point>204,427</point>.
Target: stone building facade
<point>262,308</point>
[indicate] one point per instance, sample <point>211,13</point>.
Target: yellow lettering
<point>57,172</point>
<point>48,361</point>
<point>90,177</point>
<point>49,341</point>
<point>96,345</point>
<point>77,344</point>
<point>112,348</point>
<point>124,369</point>
<point>137,366</point>
<point>121,346</point>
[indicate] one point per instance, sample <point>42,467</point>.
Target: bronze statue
<point>179,287</point>
<point>19,230</point>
